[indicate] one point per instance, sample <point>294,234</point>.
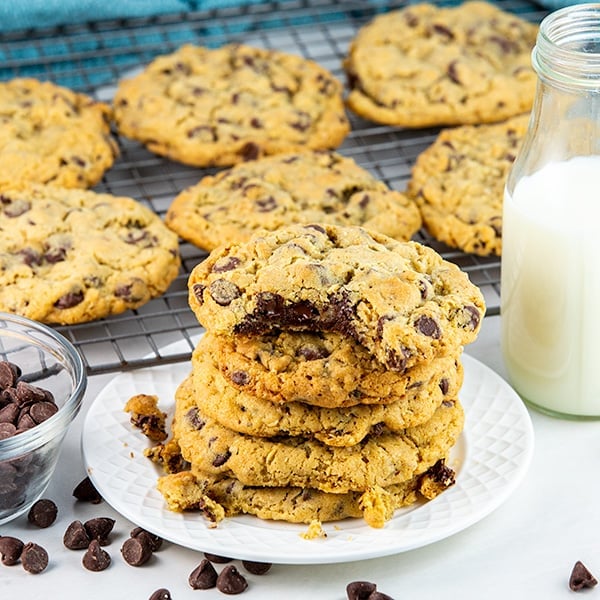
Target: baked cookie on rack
<point>51,134</point>
<point>324,369</point>
<point>378,460</point>
<point>204,106</point>
<point>70,256</point>
<point>426,65</point>
<point>309,187</point>
<point>400,300</point>
<point>458,183</point>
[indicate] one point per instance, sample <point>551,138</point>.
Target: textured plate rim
<point>497,423</point>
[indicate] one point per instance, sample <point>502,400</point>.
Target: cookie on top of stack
<point>327,383</point>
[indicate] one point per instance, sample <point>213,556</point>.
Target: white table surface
<point>524,549</point>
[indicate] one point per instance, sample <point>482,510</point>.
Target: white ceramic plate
<point>490,458</point>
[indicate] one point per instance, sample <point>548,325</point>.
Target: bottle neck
<point>567,51</point>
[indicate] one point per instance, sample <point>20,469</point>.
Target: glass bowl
<point>47,361</point>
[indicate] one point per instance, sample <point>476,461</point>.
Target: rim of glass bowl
<point>47,430</point>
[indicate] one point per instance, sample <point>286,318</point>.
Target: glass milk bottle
<point>550,284</point>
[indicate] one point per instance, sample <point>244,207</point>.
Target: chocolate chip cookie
<point>325,370</point>
<point>458,183</point>
<point>218,497</point>
<point>51,134</point>
<point>258,415</point>
<point>426,65</point>
<point>400,300</point>
<point>70,256</point>
<point>380,460</point>
<point>311,187</point>
<point>204,106</point>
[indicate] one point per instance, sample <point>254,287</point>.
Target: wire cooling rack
<point>94,56</point>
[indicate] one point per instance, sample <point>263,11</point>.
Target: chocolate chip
<point>193,417</point>
<point>379,596</point>
<point>267,204</point>
<point>203,577</point>
<point>256,568</point>
<point>95,558</point>
<point>34,558</point>
<point>227,263</point>
<point>441,473</point>
<point>249,151</point>
<point>10,550</point>
<point>443,30</point>
<point>137,550</point>
<point>444,385</point>
<point>240,377</point>
<point>86,492</point>
<point>41,411</point>
<point>580,577</point>
<point>215,558</point>
<point>42,513</point>
<point>99,529</point>
<point>231,581</point>
<point>223,292</point>
<point>69,300</point>
<point>161,594</point>
<point>360,590</point>
<point>25,392</point>
<point>473,316</point>
<point>9,413</point>
<point>7,430</point>
<point>9,373</point>
<point>312,352</point>
<point>427,326</point>
<point>55,255</point>
<point>221,459</point>
<point>155,540</point>
<point>76,537</point>
<point>198,290</point>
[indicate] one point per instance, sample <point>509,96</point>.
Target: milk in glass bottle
<point>550,284</point>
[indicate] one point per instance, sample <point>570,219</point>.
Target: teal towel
<point>25,14</point>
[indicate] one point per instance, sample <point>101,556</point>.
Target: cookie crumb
<point>315,531</point>
<point>146,416</point>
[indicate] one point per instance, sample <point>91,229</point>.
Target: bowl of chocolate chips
<point>42,383</point>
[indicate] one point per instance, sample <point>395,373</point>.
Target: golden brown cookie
<point>70,256</point>
<point>458,183</point>
<point>400,300</point>
<point>204,106</point>
<point>310,187</point>
<point>322,369</point>
<point>51,134</point>
<point>219,497</point>
<point>244,412</point>
<point>426,65</point>
<point>383,460</point>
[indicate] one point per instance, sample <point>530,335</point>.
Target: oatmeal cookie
<point>458,183</point>
<point>426,65</point>
<point>400,300</point>
<point>188,491</point>
<point>311,187</point>
<point>260,417</point>
<point>70,256</point>
<point>51,134</point>
<point>204,106</point>
<point>325,370</point>
<point>381,460</point>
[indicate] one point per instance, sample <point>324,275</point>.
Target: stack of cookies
<point>326,384</point>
